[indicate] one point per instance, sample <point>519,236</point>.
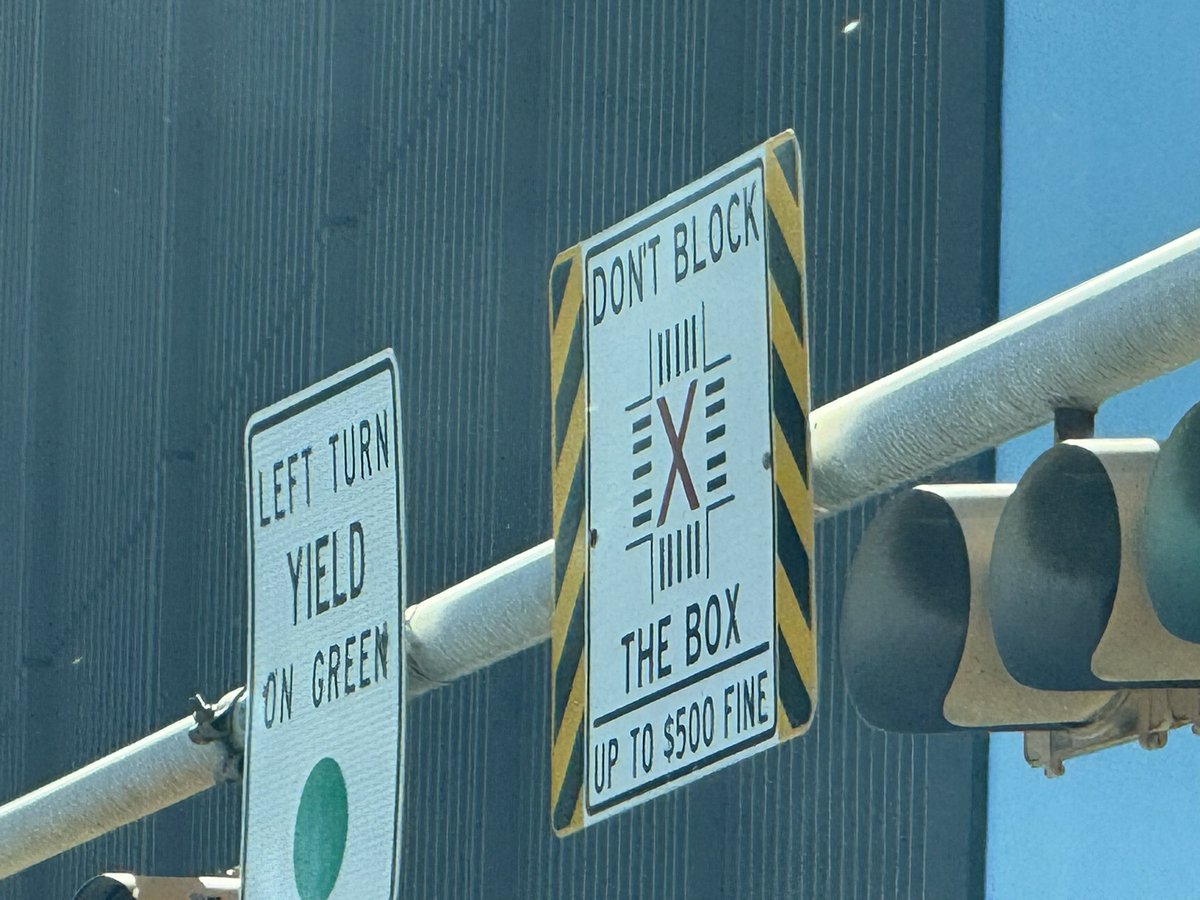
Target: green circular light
<point>319,842</point>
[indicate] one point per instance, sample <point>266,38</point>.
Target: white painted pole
<point>1106,335</point>
<point>1129,325</point>
<point>157,771</point>
<point>489,617</point>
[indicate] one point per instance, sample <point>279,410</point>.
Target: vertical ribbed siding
<point>206,206</point>
<point>20,98</point>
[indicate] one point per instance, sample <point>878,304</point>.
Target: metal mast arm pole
<point>1126,326</point>
<point>1077,349</point>
<point>161,769</point>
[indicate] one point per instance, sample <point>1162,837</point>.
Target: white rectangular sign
<point>323,778</point>
<point>681,618</point>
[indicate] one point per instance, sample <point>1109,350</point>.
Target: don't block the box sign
<point>683,629</point>
<point>324,761</point>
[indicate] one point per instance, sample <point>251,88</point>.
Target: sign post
<point>683,632</point>
<point>324,759</point>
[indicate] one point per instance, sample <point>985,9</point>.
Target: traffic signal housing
<point>1070,606</point>
<point>916,639</point>
<point>1171,535</point>
<point>1066,606</point>
<point>124,886</point>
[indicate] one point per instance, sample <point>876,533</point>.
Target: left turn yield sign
<point>323,778</point>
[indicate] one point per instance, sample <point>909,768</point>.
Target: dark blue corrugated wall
<point>205,206</point>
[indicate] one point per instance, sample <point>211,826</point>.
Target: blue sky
<point>1101,162</point>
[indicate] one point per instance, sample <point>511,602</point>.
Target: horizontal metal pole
<point>1106,335</point>
<point>156,772</point>
<point>480,621</point>
<point>1113,332</point>
<point>1122,328</point>
<point>487,618</point>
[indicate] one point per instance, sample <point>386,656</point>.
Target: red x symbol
<point>678,463</point>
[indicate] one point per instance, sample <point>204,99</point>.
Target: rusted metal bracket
<point>1144,715</point>
<point>221,722</point>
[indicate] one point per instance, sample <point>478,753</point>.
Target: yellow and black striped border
<point>790,404</point>
<point>568,449</point>
<point>795,611</point>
